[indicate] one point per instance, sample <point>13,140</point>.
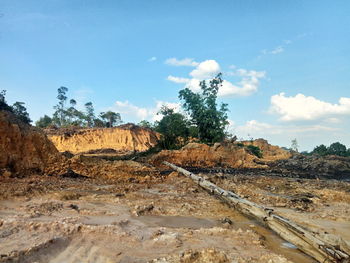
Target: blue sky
<point>286,64</point>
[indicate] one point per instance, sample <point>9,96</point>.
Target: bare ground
<point>158,219</point>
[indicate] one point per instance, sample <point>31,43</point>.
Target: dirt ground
<point>158,219</point>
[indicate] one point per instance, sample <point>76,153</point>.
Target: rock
<point>141,210</point>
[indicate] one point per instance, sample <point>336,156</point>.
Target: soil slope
<point>24,149</point>
<point>126,137</point>
<point>231,155</point>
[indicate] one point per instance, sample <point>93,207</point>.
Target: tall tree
<point>90,114</point>
<point>21,111</point>
<point>3,103</point>
<point>111,118</point>
<point>204,112</point>
<point>60,114</point>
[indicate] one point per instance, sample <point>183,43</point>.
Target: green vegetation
<point>110,118</point>
<point>17,108</point>
<point>203,111</point>
<point>43,122</point>
<point>334,149</point>
<point>145,124</point>
<point>174,129</point>
<point>255,150</point>
<point>70,116</point>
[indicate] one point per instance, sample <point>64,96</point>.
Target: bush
<point>334,149</point>
<point>255,150</point>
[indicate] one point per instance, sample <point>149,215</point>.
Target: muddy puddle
<point>182,218</point>
<point>271,240</point>
<point>178,222</point>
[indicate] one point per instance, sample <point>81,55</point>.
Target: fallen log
<point>307,241</point>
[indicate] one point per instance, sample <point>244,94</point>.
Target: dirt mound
<point>127,137</point>
<point>24,149</point>
<point>270,152</point>
<point>315,166</point>
<point>231,155</point>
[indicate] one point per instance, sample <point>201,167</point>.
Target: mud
<point>54,219</point>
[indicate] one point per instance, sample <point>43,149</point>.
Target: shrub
<point>255,150</point>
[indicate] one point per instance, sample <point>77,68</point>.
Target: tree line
<point>17,108</point>
<point>334,149</point>
<point>68,115</point>
<point>202,120</point>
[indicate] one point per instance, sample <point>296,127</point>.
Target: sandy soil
<point>50,219</point>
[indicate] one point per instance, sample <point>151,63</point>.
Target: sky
<point>285,64</point>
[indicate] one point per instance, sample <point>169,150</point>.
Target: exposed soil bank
<point>225,155</point>
<point>127,137</point>
<point>23,148</point>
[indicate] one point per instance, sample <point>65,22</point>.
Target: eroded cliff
<point>230,155</point>
<point>23,148</point>
<point>128,137</point>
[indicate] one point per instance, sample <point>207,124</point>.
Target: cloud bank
<point>307,108</point>
<point>135,113</point>
<point>205,70</point>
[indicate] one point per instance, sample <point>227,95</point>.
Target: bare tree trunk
<point>307,241</point>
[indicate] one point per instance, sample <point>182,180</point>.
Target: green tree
<point>59,116</point>
<point>20,111</point>
<point>173,127</point>
<point>204,112</point>
<point>145,124</point>
<point>99,123</point>
<point>110,118</point>
<point>321,150</point>
<point>90,114</point>
<point>337,149</point>
<point>43,122</point>
<point>3,103</point>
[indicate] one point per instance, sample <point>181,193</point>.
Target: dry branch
<point>307,241</point>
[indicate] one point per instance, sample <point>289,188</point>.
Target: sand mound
<point>233,155</point>
<point>24,149</point>
<point>128,137</point>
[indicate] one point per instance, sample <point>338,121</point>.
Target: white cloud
<point>277,50</point>
<point>177,79</point>
<point>262,128</point>
<point>306,108</point>
<point>125,108</point>
<point>152,59</point>
<point>308,136</point>
<point>181,62</point>
<point>206,69</point>
<point>249,83</point>
<point>131,112</point>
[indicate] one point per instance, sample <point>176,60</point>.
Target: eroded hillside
<point>128,137</point>
<point>24,149</point>
<point>227,154</point>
